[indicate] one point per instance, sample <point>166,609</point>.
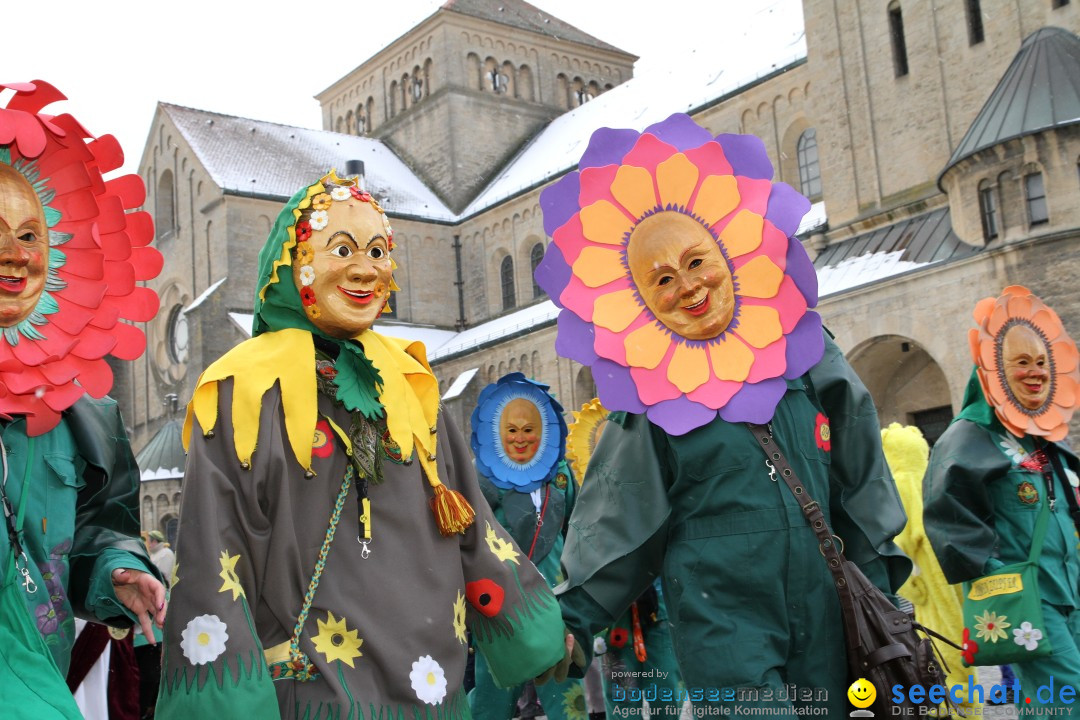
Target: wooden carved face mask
<point>24,247</point>
<point>520,428</point>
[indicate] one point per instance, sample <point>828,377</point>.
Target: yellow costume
<point>937,603</point>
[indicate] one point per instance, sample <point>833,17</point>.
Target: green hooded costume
<point>312,579</point>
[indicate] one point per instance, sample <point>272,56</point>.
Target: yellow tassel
<point>453,514</point>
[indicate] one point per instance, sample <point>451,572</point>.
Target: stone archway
<point>906,382</point>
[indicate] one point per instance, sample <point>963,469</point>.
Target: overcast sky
<point>117,58</point>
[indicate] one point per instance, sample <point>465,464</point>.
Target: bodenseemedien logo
<point>862,695</point>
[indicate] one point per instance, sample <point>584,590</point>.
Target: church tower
<point>461,92</point>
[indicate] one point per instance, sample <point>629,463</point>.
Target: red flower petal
<point>486,596</point>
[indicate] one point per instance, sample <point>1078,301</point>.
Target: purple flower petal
<point>607,146</point>
<point>681,415</point>
<point>747,156</point>
<point>805,345</point>
<point>802,272</point>
<point>680,131</point>
<point>575,338</point>
<point>559,202</point>
<point>755,402</point>
<point>552,273</point>
<point>786,208</point>
<point>615,386</point>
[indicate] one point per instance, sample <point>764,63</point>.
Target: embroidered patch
<point>1027,493</point>
<point>560,481</point>
<point>322,445</point>
<point>486,596</point>
<point>823,435</point>
<point>391,449</point>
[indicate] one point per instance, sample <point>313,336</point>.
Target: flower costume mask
<point>583,435</point>
<point>71,258</point>
<point>1027,365</point>
<point>680,282</point>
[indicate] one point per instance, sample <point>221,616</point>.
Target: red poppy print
<point>970,647</point>
<point>322,446</point>
<point>486,596</point>
<point>360,194</point>
<point>822,433</point>
<point>617,638</point>
<point>303,231</point>
<point>307,296</point>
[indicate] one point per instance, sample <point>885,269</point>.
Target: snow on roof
<point>689,82</point>
<point>205,294</point>
<point>459,384</point>
<point>432,337</point>
<point>501,327</point>
<point>161,474</point>
<point>813,219</point>
<point>243,321</point>
<point>261,158</point>
<point>862,269</point>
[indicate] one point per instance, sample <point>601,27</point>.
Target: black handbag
<point>885,645</point>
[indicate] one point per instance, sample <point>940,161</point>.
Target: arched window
<point>809,169</point>
<point>535,256</point>
<point>1035,195</point>
<point>988,210</point>
<point>506,277</point>
<point>899,44</point>
<point>165,206</point>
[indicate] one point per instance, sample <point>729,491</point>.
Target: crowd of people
<point>344,551</point>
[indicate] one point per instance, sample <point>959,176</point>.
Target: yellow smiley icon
<point>862,693</point>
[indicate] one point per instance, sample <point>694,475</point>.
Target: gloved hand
<point>559,670</point>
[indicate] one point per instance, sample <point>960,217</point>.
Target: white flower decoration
<point>599,645</point>
<point>386,225</point>
<point>319,219</point>
<point>204,639</point>
<point>307,275</point>
<point>1027,636</point>
<point>428,680</point>
<point>1012,448</point>
<point>340,193</point>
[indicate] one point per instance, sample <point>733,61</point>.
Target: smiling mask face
<point>681,274</point>
<point>24,247</point>
<point>350,270</point>
<point>520,429</point>
<point>1027,366</point>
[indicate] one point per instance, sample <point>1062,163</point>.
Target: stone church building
<point>939,143</point>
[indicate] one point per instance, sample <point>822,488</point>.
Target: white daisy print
<point>204,639</point>
<point>428,680</point>
<point>307,275</point>
<point>1027,636</point>
<point>319,219</point>
<point>340,193</point>
<point>1012,448</point>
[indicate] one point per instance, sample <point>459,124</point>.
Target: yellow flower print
<point>175,574</point>
<point>459,618</point>
<point>337,642</point>
<point>991,626</point>
<point>304,253</point>
<point>501,548</point>
<point>320,201</point>
<point>574,703</point>
<point>228,574</point>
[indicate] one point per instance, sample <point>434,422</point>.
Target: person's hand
<point>559,670</point>
<point>143,595</point>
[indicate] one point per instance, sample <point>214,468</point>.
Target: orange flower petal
<point>646,346</point>
<point>1016,291</point>
<point>1065,356</point>
<point>718,196</point>
<point>742,234</point>
<point>633,188</point>
<point>1010,415</point>
<point>1049,419</point>
<point>616,310</point>
<point>604,223</point>
<point>997,319</point>
<point>1019,307</point>
<point>759,325</point>
<point>759,278</point>
<point>1065,392</point>
<point>983,309</point>
<point>731,358</point>
<point>676,178</point>
<point>689,367</point>
<point>1048,321</point>
<point>987,358</point>
<point>973,343</point>
<point>598,266</point>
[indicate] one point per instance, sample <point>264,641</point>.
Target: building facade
<point>938,147</point>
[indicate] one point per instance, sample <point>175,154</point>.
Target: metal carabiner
<point>27,582</point>
<point>772,470</point>
<point>365,551</point>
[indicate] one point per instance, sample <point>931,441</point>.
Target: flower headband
<point>995,317</point>
<point>583,435</point>
<point>675,174</point>
<point>55,355</point>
